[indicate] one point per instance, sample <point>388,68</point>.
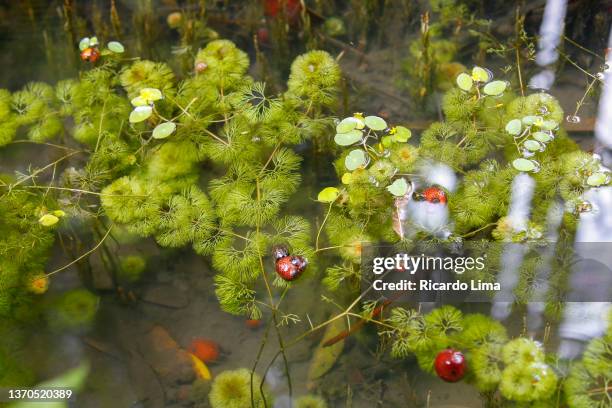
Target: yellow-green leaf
<point>48,220</point>
<point>465,82</point>
<point>480,75</point>
<point>328,194</point>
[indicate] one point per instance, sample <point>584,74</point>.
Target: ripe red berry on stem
<point>90,54</point>
<point>290,267</point>
<point>433,194</point>
<point>450,365</point>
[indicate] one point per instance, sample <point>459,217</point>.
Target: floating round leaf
<point>530,120</point>
<point>514,127</point>
<point>548,124</point>
<point>355,159</point>
<point>349,138</point>
<point>524,164</point>
<point>93,41</point>
<point>532,145</point>
<point>84,43</point>
<point>48,220</point>
<point>163,130</point>
<point>542,137</point>
<point>597,179</point>
<point>139,101</point>
<point>116,47</point>
<point>387,141</point>
<point>398,188</point>
<point>347,178</point>
<point>58,213</point>
<point>465,82</point>
<point>140,113</point>
<point>402,134</point>
<point>480,75</point>
<point>347,124</point>
<point>495,88</point>
<point>375,123</point>
<point>328,194</point>
<point>151,94</point>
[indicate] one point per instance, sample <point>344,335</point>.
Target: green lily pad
<point>387,141</point>
<point>347,124</point>
<point>514,127</point>
<point>402,134</point>
<point>480,75</point>
<point>328,194</point>
<point>532,145</point>
<point>522,164</point>
<point>548,124</point>
<point>349,138</point>
<point>530,120</point>
<point>84,43</point>
<point>495,88</point>
<point>139,101</point>
<point>163,130</point>
<point>375,123</point>
<point>597,179</point>
<point>140,113</point>
<point>355,159</point>
<point>151,94</point>
<point>465,82</point>
<point>398,188</point>
<point>93,41</point>
<point>116,47</point>
<point>542,137</point>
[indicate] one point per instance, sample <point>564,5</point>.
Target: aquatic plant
<point>232,389</point>
<point>489,136</point>
<point>445,31</point>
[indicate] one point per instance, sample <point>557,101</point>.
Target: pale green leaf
<point>84,43</point>
<point>542,137</point>
<point>355,159</point>
<point>347,124</point>
<point>532,145</point>
<point>116,47</point>
<point>349,138</point>
<point>465,82</point>
<point>530,120</point>
<point>597,179</point>
<point>402,134</point>
<point>480,75</point>
<point>163,130</point>
<point>399,187</point>
<point>375,123</point>
<point>495,88</point>
<point>140,114</point>
<point>514,127</point>
<point>522,164</point>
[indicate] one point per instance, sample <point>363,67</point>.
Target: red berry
<point>450,365</point>
<point>292,8</point>
<point>431,194</point>
<point>290,267</point>
<point>263,35</point>
<point>90,54</point>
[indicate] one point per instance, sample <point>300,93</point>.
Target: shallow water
<point>176,300</point>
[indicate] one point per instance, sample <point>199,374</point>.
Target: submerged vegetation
<point>204,151</point>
